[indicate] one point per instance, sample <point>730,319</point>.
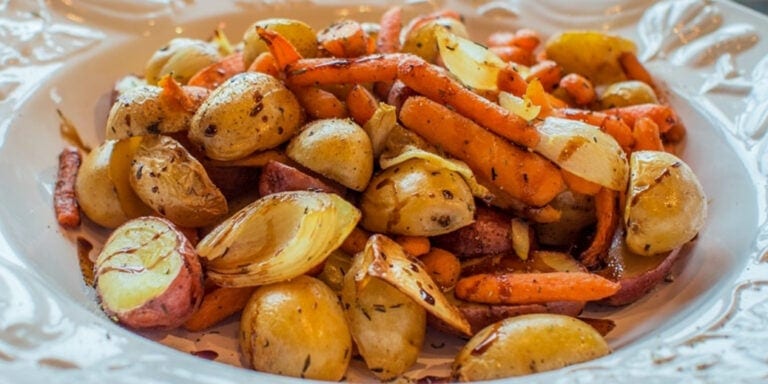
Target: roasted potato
<point>626,93</point>
<point>666,206</point>
<point>592,54</point>
<point>181,58</point>
<point>250,112</point>
<point>422,40</point>
<point>168,179</point>
<point>527,344</point>
<point>417,198</point>
<point>148,275</point>
<point>301,36</point>
<point>338,149</point>
<point>278,177</point>
<point>144,110</point>
<point>296,328</point>
<point>488,234</point>
<point>387,326</point>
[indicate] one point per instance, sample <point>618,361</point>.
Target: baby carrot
<point>64,199</point>
<point>217,73</point>
<point>361,104</point>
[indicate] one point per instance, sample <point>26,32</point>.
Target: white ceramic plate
<point>707,325</point>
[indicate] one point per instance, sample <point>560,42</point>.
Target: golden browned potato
<point>301,36</point>
<point>625,93</point>
<point>148,275</point>
<point>338,149</point>
<point>95,190</point>
<point>182,58</point>
<point>296,328</point>
<point>168,179</point>
<point>250,112</point>
<point>417,198</point>
<point>422,41</point>
<point>527,344</point>
<point>388,326</point>
<point>592,54</point>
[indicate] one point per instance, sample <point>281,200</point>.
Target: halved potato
<point>296,328</point>
<point>338,149</point>
<point>592,54</point>
<point>277,238</point>
<point>95,190</point>
<point>168,179</point>
<point>301,36</point>
<point>148,275</point>
<point>527,344</point>
<point>182,58</point>
<point>250,112</point>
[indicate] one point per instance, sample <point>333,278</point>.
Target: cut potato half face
<point>148,275</point>
<point>277,238</point>
<point>666,205</point>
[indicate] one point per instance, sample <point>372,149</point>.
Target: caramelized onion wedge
<point>474,65</point>
<point>666,206</point>
<point>585,151</point>
<point>277,238</point>
<point>385,259</point>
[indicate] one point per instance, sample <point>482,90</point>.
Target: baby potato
<point>338,149</point>
<point>148,275</point>
<point>388,326</point>
<point>417,198</point>
<point>422,41</point>
<point>592,54</point>
<point>143,110</point>
<point>527,344</point>
<point>296,328</point>
<point>250,112</point>
<point>96,191</point>
<point>182,58</point>
<point>298,33</point>
<point>666,206</point>
<point>626,93</point>
<point>168,179</point>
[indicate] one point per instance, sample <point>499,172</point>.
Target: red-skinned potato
<point>489,234</point>
<point>279,177</point>
<point>148,275</point>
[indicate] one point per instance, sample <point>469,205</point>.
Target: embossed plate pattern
<point>709,325</point>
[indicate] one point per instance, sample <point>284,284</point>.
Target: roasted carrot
<point>413,245</point>
<point>523,175</point>
<point>355,242</point>
<point>320,104</point>
<point>610,124</point>
<point>514,55</point>
<point>282,49</point>
<point>548,72</point>
<point>526,288</point>
<point>217,73</point>
<point>646,135</point>
<point>634,69</point>
<point>364,69</point>
<point>420,21</point>
<point>217,305</point>
<point>443,266</point>
<point>265,63</point>
<point>430,81</point>
<point>361,104</point>
<point>579,88</point>
<point>175,95</point>
<point>663,115</point>
<point>510,80</point>
<point>388,40</point>
<point>580,185</point>
<point>527,39</point>
<point>607,220</point>
<point>64,199</point>
<point>344,38</point>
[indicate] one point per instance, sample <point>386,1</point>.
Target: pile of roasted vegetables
<point>345,189</point>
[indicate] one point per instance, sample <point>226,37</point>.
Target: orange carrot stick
<point>579,88</point>
<point>580,185</point>
<point>388,40</point>
<point>430,81</point>
<point>610,124</point>
<point>548,72</point>
<point>523,175</point>
<point>414,245</point>
<point>526,288</point>
<point>282,49</point>
<point>320,104</point>
<point>361,104</point>
<point>514,55</point>
<point>646,134</point>
<point>607,221</point>
<point>364,69</point>
<point>663,115</point>
<point>265,63</point>
<point>443,266</point>
<point>217,73</point>
<point>344,38</point>
<point>510,80</point>
<point>217,305</point>
<point>355,241</point>
<point>64,199</point>
<point>634,69</point>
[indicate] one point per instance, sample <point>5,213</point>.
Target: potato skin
<point>250,112</point>
<point>95,190</point>
<point>278,177</point>
<point>296,328</point>
<point>179,299</point>
<point>489,234</point>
